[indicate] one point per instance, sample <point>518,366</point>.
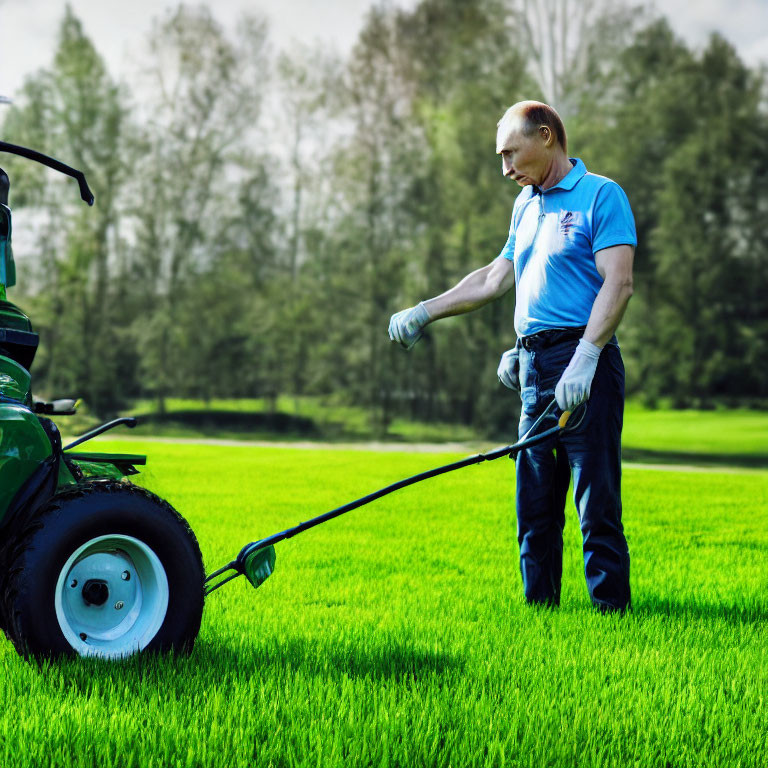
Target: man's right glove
<point>509,369</point>
<point>407,327</point>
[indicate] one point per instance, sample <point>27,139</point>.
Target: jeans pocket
<point>552,362</point>
<point>557,356</point>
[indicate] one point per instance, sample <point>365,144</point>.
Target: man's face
<point>524,159</point>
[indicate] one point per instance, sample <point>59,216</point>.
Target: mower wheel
<point>106,570</point>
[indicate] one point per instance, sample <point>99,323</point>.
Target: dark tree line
<point>260,216</point>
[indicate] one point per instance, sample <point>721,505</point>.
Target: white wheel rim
<point>128,591</point>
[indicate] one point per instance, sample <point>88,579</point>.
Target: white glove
<point>509,369</point>
<point>406,327</point>
<point>576,381</point>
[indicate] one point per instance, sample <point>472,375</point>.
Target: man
<point>569,253</point>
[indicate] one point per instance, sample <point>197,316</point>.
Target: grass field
<point>721,437</point>
<point>737,436</point>
<point>397,635</point>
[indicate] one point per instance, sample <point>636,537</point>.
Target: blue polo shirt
<point>553,238</point>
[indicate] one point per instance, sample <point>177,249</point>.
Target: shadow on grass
<point>218,671</point>
<point>147,672</point>
<point>216,667</point>
<point>214,422</point>
<point>381,660</point>
<point>216,663</point>
<point>699,610</point>
<point>642,455</point>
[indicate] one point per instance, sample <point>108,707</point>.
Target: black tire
<point>138,524</point>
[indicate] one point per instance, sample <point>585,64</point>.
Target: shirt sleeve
<point>612,219</point>
<point>508,251</point>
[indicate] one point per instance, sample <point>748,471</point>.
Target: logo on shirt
<point>567,220</point>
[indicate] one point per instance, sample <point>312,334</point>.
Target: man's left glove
<point>509,369</point>
<point>576,381</point>
<point>406,327</point>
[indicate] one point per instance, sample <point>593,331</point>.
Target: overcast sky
<point>118,27</point>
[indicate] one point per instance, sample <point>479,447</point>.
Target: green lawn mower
<point>90,563</point>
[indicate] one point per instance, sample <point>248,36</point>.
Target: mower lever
<point>129,421</point>
<point>50,162</point>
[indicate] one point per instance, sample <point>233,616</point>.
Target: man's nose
<point>506,167</point>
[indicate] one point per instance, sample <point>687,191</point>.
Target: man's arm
<point>615,267</point>
<point>475,290</point>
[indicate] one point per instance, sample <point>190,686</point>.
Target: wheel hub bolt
<point>126,576</point>
<point>74,583</point>
<point>119,604</point>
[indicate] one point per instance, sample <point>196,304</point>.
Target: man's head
<point>531,141</point>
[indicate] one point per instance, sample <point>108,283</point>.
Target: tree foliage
<point>259,217</point>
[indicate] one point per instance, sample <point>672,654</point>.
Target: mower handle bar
<point>527,441</point>
<point>38,157</point>
<point>507,450</point>
<point>129,421</point>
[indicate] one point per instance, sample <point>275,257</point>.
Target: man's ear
<point>546,135</point>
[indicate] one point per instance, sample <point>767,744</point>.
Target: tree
<point>572,45</point>
<point>704,246</point>
<point>673,141</point>
<point>309,103</point>
<point>203,107</point>
<point>77,112</point>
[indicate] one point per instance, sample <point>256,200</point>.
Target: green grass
<point>730,437</point>
<point>734,435</point>
<point>398,635</point>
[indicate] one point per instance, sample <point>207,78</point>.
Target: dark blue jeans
<point>592,453</point>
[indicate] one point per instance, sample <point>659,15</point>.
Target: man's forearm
<point>607,311</point>
<point>471,293</point>
<point>474,291</point>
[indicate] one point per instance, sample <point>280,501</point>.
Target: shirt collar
<point>569,181</point>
